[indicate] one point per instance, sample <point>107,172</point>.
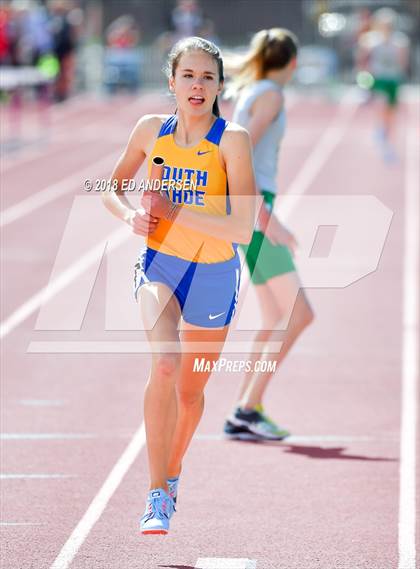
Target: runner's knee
<point>166,365</point>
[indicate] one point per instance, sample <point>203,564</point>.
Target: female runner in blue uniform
<point>189,271</point>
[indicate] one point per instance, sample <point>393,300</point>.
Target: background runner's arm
<point>263,112</point>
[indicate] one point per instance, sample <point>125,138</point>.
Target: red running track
<point>327,498</point>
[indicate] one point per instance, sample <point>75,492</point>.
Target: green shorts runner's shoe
<point>254,425</point>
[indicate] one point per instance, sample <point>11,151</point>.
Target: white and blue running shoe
<point>173,489</point>
<point>159,509</point>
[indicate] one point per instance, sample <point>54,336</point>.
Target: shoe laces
<point>173,489</point>
<point>269,424</point>
<point>156,508</point>
<point>267,419</point>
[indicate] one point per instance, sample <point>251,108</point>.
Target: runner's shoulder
<point>234,132</point>
<point>235,138</point>
<point>150,124</point>
<point>271,97</point>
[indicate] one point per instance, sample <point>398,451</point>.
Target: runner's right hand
<point>277,233</point>
<point>142,222</point>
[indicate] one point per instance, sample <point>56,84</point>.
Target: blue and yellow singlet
<point>194,178</point>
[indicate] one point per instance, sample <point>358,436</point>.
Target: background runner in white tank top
<point>266,151</point>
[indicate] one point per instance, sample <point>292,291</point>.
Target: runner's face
<point>196,83</point>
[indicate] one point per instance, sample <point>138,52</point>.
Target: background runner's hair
<point>269,49</point>
<point>195,44</point>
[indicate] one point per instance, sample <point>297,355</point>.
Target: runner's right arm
<point>125,169</point>
<point>263,111</point>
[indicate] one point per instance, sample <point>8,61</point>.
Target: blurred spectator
<point>64,21</point>
<point>123,33</point>
<point>25,33</point>
<point>26,51</point>
<point>187,19</point>
<point>207,31</point>
<point>5,39</point>
<point>122,58</point>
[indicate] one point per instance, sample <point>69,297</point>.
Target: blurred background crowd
<point>52,49</point>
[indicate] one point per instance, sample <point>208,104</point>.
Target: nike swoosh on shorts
<point>213,316</point>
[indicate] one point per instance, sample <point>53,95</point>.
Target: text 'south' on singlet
<point>193,178</point>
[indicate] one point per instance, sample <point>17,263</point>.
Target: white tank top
<point>267,149</point>
<point>385,54</point>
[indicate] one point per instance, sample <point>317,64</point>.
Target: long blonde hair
<point>269,49</point>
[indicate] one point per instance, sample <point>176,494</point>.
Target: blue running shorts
<point>207,292</point>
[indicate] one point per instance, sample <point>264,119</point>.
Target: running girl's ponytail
<point>195,44</point>
<point>269,49</point>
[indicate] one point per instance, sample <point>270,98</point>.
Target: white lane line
<point>72,183</point>
<point>42,402</point>
<point>293,439</point>
<point>59,130</point>
<point>304,439</point>
<point>100,501</point>
<point>34,476</point>
<point>410,330</point>
<point>330,139</point>
<point>66,277</point>
<point>46,436</point>
<point>225,563</point>
<point>20,524</point>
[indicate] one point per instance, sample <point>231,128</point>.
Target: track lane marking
<point>42,402</point>
<point>100,501</point>
<point>65,278</point>
<point>20,524</point>
<point>57,190</point>
<point>58,130</point>
<point>35,476</point>
<point>313,164</point>
<point>410,353</point>
<point>303,439</point>
<point>225,563</point>
<point>45,436</point>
